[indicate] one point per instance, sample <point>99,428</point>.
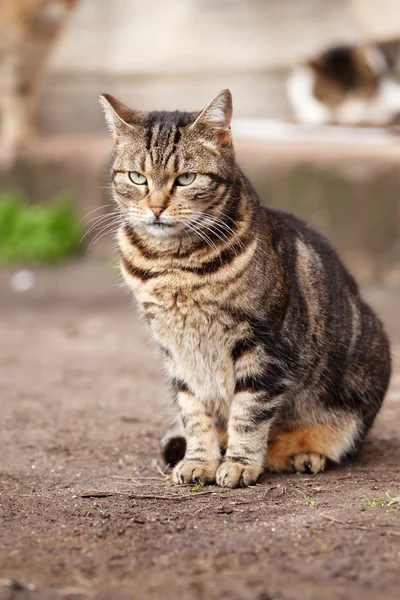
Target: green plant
<point>37,233</point>
<point>198,486</point>
<point>372,502</point>
<point>310,502</point>
<point>389,501</point>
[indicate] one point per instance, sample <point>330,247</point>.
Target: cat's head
<point>172,171</point>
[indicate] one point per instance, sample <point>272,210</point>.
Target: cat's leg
<point>250,419</point>
<point>307,449</point>
<point>203,454</point>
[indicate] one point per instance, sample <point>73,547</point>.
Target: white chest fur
<point>196,333</point>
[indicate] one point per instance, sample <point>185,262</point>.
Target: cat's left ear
<point>120,119</point>
<point>217,116</point>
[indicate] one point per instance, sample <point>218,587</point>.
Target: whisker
<point>206,238</point>
<point>107,229</point>
<point>98,208</point>
<point>109,214</point>
<point>202,236</point>
<point>100,222</point>
<point>99,237</point>
<point>210,228</point>
<point>215,225</point>
<point>212,225</point>
<point>218,225</point>
<point>217,220</point>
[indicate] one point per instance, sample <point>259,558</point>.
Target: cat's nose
<point>157,210</point>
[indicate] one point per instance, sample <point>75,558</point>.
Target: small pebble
<point>22,281</point>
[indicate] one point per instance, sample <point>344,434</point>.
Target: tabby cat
<point>349,84</point>
<point>273,358</point>
<point>29,29</point>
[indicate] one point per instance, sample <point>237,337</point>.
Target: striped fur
<point>263,333</point>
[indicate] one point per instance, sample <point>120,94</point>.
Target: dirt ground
<point>83,405</point>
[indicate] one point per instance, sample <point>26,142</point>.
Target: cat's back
<point>325,315</point>
<point>320,293</point>
<point>300,245</point>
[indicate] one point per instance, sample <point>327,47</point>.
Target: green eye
<point>185,178</point>
<point>137,178</point>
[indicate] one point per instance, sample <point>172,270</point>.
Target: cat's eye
<point>185,178</point>
<point>137,178</point>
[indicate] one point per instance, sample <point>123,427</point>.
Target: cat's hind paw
<point>235,474</point>
<point>192,471</point>
<point>308,462</point>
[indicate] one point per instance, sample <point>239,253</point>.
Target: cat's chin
<point>162,230</point>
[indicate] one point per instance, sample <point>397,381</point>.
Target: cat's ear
<point>120,119</point>
<point>217,115</point>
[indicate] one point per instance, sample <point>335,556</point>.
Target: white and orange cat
<point>353,84</point>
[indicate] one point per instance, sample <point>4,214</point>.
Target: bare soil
<point>86,512</point>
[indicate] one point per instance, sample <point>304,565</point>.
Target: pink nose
<point>157,210</point>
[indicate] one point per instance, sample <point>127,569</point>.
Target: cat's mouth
<point>161,224</point>
<point>157,226</point>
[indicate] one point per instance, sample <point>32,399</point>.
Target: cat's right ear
<point>216,117</point>
<point>120,119</point>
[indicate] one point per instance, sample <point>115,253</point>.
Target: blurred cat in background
<point>353,84</point>
<point>29,29</point>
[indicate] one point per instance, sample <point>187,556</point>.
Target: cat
<point>353,84</point>
<point>29,31</point>
<point>274,360</point>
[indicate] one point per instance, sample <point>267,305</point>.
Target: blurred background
<point>167,55</point>
<point>57,56</point>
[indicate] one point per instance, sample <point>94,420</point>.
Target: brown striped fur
<point>273,358</point>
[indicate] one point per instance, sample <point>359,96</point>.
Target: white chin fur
<point>161,232</point>
<point>300,89</point>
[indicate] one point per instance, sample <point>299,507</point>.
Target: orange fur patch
<point>222,437</point>
<point>329,440</point>
<point>321,439</point>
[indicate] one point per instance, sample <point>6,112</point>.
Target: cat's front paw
<point>235,474</point>
<point>193,471</point>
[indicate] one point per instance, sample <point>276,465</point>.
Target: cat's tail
<point>173,443</point>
